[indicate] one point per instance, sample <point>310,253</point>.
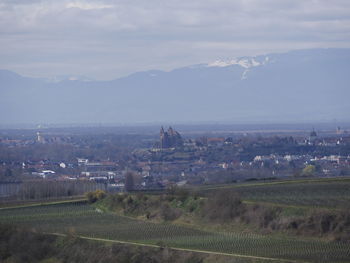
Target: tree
<point>223,205</point>
<point>309,170</point>
<point>95,196</point>
<point>8,172</point>
<point>129,181</point>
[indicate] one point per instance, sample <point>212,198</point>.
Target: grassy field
<point>84,220</point>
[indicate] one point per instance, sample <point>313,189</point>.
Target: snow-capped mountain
<point>60,78</point>
<point>244,62</point>
<point>299,85</point>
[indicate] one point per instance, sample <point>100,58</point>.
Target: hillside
<point>283,226</point>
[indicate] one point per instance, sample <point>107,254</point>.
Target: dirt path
<point>184,249</point>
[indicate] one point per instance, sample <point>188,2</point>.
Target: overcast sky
<point>106,39</point>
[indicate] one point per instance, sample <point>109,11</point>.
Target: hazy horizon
<point>59,77</point>
<point>263,125</point>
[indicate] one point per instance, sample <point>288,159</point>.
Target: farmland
<point>315,193</point>
<point>84,220</point>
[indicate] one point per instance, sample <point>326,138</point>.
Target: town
<point>157,162</point>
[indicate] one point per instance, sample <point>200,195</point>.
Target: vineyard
<point>85,220</point>
<point>316,193</point>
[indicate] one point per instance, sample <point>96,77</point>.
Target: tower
<point>39,138</point>
<point>313,136</point>
<point>169,138</point>
<point>161,136</point>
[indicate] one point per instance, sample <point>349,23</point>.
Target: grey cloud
<point>110,38</point>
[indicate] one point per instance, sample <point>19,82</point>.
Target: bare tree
<point>129,181</point>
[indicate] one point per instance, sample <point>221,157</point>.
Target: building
<point>40,138</point>
<point>312,137</point>
<point>170,138</point>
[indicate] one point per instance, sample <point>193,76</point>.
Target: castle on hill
<point>170,138</point>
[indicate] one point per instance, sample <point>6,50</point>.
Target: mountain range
<point>297,86</point>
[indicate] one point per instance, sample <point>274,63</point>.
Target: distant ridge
<point>298,86</point>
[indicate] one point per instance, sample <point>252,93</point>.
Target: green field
<point>317,193</point>
<point>87,221</point>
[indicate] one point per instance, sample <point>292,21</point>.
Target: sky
<point>105,39</point>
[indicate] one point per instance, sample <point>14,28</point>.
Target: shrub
<point>224,205</point>
<point>268,216</point>
<point>168,213</point>
<point>309,170</point>
<point>95,196</point>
